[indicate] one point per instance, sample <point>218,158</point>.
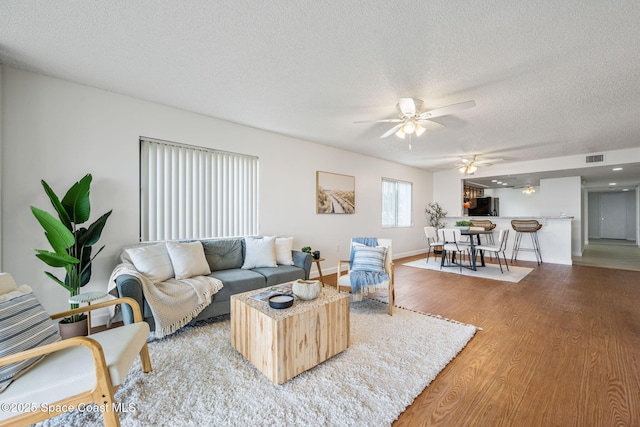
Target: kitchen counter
<point>554,236</point>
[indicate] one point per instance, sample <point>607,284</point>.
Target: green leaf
<point>76,201</point>
<point>56,232</point>
<point>55,201</point>
<point>92,235</point>
<point>55,259</point>
<point>58,281</point>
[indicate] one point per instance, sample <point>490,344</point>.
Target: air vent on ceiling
<point>596,158</point>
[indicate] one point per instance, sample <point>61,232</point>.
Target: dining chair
<point>432,240</point>
<point>454,245</point>
<point>498,249</point>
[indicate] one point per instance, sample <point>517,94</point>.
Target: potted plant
<point>71,243</point>
<point>314,254</point>
<point>435,213</point>
<point>464,225</point>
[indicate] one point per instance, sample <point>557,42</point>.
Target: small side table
<point>318,261</point>
<point>88,297</point>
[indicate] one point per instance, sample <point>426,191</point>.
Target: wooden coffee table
<point>284,343</point>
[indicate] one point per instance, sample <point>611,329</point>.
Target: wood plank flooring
<point>559,348</point>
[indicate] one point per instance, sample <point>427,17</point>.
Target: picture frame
<point>335,193</point>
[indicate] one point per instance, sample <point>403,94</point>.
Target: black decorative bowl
<point>281,301</point>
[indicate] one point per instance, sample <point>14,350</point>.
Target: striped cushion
<point>23,325</point>
<point>368,258</point>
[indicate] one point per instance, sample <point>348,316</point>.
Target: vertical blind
<point>191,192</point>
<point>397,203</point>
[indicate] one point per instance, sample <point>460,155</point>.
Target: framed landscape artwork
<point>335,193</point>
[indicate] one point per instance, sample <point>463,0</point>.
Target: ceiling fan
<point>468,166</point>
<point>411,120</point>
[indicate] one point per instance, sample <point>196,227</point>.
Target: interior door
<point>613,216</point>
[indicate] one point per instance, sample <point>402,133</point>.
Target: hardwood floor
<point>559,348</point>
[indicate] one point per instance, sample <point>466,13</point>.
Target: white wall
<point>58,131</point>
<point>562,196</point>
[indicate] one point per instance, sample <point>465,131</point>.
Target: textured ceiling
<point>550,78</point>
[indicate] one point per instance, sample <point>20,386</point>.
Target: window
<point>191,192</point>
<point>397,203</point>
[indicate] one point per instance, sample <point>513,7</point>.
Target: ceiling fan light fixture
<point>529,190</point>
<point>400,133</point>
<point>409,127</point>
<point>419,130</point>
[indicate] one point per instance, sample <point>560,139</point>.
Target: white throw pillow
<point>188,259</point>
<point>153,261</point>
<point>284,246</point>
<point>260,252</point>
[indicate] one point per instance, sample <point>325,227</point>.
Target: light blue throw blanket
<point>364,281</point>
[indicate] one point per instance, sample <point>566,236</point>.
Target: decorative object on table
<point>307,289</point>
<point>463,225</point>
<point>71,243</point>
<point>281,301</point>
<point>314,254</point>
<point>335,193</point>
<point>434,214</point>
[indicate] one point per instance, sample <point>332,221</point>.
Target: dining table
<point>477,233</point>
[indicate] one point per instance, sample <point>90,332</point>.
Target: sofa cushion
<point>153,261</point>
<point>238,280</point>
<point>280,274</point>
<point>223,254</point>
<point>23,325</point>
<point>188,259</point>
<point>260,252</point>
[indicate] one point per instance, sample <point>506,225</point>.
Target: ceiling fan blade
<point>486,161</point>
<point>430,124</point>
<point>392,130</point>
<point>449,109</point>
<point>407,106</point>
<point>380,121</point>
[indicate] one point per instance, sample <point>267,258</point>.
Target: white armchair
<point>344,280</point>
<point>73,372</point>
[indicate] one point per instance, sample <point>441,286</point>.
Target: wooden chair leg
<point>144,359</point>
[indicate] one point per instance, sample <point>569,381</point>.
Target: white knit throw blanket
<point>173,303</point>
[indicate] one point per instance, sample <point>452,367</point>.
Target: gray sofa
<point>225,258</point>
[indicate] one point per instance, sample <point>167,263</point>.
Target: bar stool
<point>530,226</point>
<point>487,225</point>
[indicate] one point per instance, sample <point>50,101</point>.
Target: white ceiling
<point>550,78</point>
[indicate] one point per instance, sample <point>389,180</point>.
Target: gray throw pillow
<point>223,254</point>
<point>23,325</point>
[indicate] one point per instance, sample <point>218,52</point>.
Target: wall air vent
<point>596,158</point>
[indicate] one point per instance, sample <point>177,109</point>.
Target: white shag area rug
<point>490,271</point>
<point>199,379</point>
